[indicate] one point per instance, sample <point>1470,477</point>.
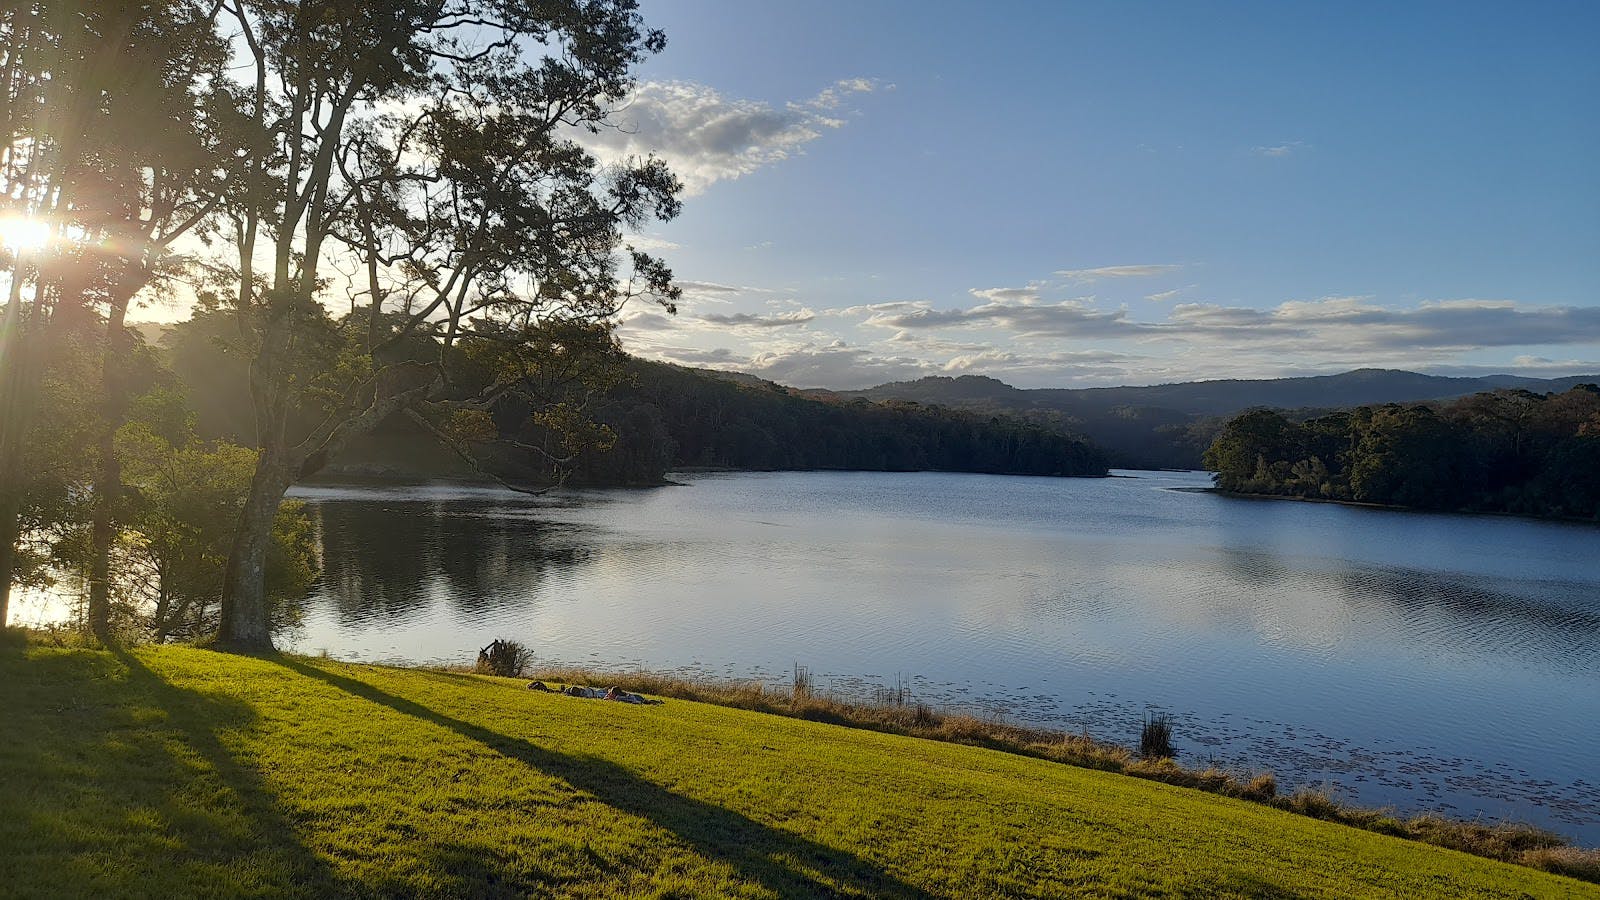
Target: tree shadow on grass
<point>114,782</point>
<point>784,863</point>
<point>1237,884</point>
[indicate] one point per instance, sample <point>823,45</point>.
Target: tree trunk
<point>246,624</point>
<point>162,618</point>
<point>108,482</point>
<point>102,532</point>
<point>10,532</point>
<point>14,419</point>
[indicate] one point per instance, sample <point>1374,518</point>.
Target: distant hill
<point>1170,425</point>
<point>1357,388</point>
<point>671,417</point>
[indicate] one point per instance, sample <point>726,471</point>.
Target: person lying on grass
<point>589,693</point>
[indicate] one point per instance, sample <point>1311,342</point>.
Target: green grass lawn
<point>167,772</point>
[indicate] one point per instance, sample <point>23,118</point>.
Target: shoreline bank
<point>1388,507</point>
<point>899,714</point>
<point>300,776</point>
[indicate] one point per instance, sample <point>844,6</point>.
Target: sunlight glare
<point>19,233</point>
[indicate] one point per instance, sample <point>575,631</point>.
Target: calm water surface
<point>1417,660</point>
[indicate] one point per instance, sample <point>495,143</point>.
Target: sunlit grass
<point>177,772</point>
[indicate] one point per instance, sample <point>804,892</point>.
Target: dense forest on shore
<point>1169,426</point>
<point>669,417</point>
<point>657,417</point>
<point>1511,451</point>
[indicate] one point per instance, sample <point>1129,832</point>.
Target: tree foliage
<point>1504,451</point>
<point>423,154</point>
<point>665,416</point>
<point>184,496</point>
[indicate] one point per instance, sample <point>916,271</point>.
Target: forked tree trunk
<point>246,624</point>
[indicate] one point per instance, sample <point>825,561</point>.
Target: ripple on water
<point>1422,661</point>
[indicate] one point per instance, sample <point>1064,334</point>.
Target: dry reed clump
<point>1508,842</point>
<point>1513,842</point>
<point>1573,862</point>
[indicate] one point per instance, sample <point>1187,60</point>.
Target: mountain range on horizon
<point>1163,426</point>
<point>1357,387</point>
<point>1170,425</point>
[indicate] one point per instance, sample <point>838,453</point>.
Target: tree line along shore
<point>1510,451</point>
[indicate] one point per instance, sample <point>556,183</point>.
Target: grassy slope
<point>179,772</point>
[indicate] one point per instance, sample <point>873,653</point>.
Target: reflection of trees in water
<point>386,563</point>
<point>1551,622</point>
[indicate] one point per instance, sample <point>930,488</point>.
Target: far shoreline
<point>1389,507</point>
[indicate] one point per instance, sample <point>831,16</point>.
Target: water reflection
<point>1541,623</point>
<point>389,564</point>
<point>1422,661</point>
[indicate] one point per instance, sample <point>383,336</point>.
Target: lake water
<point>1417,660</point>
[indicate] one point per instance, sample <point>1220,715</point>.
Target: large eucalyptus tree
<point>422,156</point>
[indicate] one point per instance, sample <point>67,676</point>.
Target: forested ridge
<point>1169,426</point>
<point>1511,451</point>
<point>654,417</point>
<point>669,417</point>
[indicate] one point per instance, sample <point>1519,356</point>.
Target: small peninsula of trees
<point>1509,451</point>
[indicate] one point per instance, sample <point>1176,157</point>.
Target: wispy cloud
<point>713,292</point>
<point>754,320</point>
<point>650,243</point>
<point>709,287</point>
<point>1009,295</point>
<point>1103,272</point>
<point>1025,319</point>
<point>1347,322</point>
<point>1287,148</point>
<point>706,136</point>
<point>1030,335</point>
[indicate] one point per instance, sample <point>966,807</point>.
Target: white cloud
<point>707,137</point>
<point>1526,366</point>
<point>1286,148</point>
<point>1348,323</point>
<point>1356,323</point>
<point>709,287</point>
<point>1009,295</point>
<point>836,365</point>
<point>1025,318</point>
<point>1032,337</point>
<point>701,292</point>
<point>650,243</point>
<point>754,320</point>
<point>647,320</point>
<point>1102,272</point>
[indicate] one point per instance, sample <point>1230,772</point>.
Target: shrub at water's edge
<point>507,659</point>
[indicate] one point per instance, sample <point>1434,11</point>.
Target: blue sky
<point>1074,194</point>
